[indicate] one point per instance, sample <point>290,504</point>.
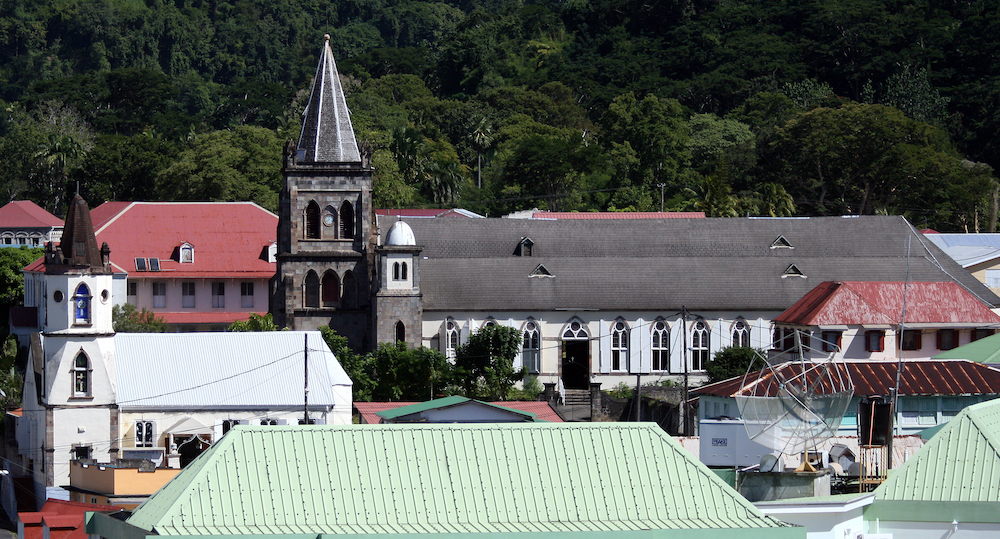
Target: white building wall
<point>885,529</point>
<point>552,325</point>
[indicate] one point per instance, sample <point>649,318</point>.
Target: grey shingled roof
<point>657,264</point>
<point>327,135</point>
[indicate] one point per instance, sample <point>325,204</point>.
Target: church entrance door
<point>576,364</point>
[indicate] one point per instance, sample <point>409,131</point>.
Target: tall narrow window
<point>661,346</point>
<point>331,289</point>
<point>81,303</point>
<point>619,346</point>
<point>741,333</point>
<point>187,295</point>
<point>81,376</point>
<point>400,331</point>
<point>403,272</point>
<point>699,346</point>
<point>530,350</point>
<point>347,221</point>
<point>311,290</point>
<point>159,295</point>
<point>450,338</point>
<point>219,294</point>
<point>395,271</point>
<point>132,292</point>
<point>312,221</point>
<point>144,434</point>
<point>350,295</point>
<point>246,295</point>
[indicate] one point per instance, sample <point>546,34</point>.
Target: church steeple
<point>327,135</point>
<point>78,249</point>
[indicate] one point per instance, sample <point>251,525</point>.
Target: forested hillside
<point>763,107</point>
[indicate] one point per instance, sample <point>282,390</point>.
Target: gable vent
<point>541,271</point>
<point>781,243</point>
<point>793,271</point>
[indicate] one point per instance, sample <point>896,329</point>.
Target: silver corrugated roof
<point>224,370</point>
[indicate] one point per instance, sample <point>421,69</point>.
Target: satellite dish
<point>799,397</point>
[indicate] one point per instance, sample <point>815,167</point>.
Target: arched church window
<point>350,295</point>
<point>619,346</point>
<point>395,271</point>
<point>81,304</point>
<point>400,331</point>
<point>699,345</point>
<point>331,289</point>
<point>403,272</point>
<point>346,220</point>
<point>660,347</point>
<point>450,338</point>
<point>311,290</point>
<point>530,351</point>
<point>81,375</point>
<point>312,221</point>
<point>741,333</point>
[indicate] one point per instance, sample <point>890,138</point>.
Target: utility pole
<point>305,396</point>
<point>684,399</point>
<point>661,185</point>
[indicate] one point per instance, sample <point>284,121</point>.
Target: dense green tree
<point>226,166</point>
<point>734,361</point>
<point>484,367</point>
<point>256,322</point>
<point>125,318</point>
<point>408,374</point>
<point>12,261</point>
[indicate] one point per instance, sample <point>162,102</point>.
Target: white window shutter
<point>518,360</point>
<point>721,337</point>
<point>677,347</point>
<point>463,336</point>
<point>759,333</point>
<point>639,348</point>
<point>605,341</point>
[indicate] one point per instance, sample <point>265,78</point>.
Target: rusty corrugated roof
<point>919,377</point>
<point>863,302</point>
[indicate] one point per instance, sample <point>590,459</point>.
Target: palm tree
<point>481,138</point>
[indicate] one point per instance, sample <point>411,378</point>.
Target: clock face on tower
<point>328,220</point>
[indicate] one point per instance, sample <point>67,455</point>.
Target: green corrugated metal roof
<point>961,463</point>
<point>436,479</point>
<point>985,350</point>
<point>445,403</point>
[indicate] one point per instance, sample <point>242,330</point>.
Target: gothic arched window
<point>400,331</point>
<point>661,346</point>
<point>619,346</point>
<point>741,333</point>
<point>81,375</point>
<point>312,221</point>
<point>311,290</point>
<point>331,289</point>
<point>530,349</point>
<point>699,345</point>
<point>81,304</point>
<point>347,220</point>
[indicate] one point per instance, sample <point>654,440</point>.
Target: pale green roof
<point>955,474</point>
<point>445,402</point>
<point>985,350</point>
<point>444,479</point>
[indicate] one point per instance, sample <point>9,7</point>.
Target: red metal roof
<point>27,214</point>
<point>368,410</point>
<point>220,317</point>
<point>60,514</point>
<point>619,215</point>
<point>859,302</point>
<point>229,238</point>
<point>920,377</point>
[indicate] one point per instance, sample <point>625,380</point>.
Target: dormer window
<point>140,264</point>
<point>154,264</point>
<point>525,247</point>
<point>781,243</point>
<point>792,271</point>
<point>541,271</point>
<point>187,253</point>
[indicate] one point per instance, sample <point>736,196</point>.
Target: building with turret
<point>596,301</point>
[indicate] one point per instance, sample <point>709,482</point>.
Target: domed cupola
<point>400,235</point>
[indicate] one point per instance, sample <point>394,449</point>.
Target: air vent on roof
<point>154,264</point>
<point>140,264</point>
<point>781,243</point>
<point>793,271</point>
<point>541,271</point>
